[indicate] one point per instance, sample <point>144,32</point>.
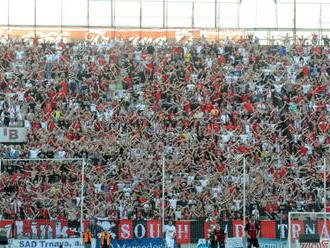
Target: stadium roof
<point>170,13</point>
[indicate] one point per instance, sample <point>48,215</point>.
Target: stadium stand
<point>203,106</point>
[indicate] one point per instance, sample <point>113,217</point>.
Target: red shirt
<point>65,88</point>
<point>221,236</point>
<point>186,106</point>
<point>306,71</point>
<point>252,229</point>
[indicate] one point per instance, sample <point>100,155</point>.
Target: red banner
<point>125,229</point>
<point>186,231</point>
<point>154,229</point>
<point>208,225</point>
<point>238,228</point>
<point>268,229</point>
<point>297,228</point>
<point>183,232</point>
<point>323,228</point>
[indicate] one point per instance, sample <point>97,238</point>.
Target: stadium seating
<point>202,107</point>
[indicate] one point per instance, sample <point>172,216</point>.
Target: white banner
<point>234,243</point>
<point>13,135</point>
<point>46,243</point>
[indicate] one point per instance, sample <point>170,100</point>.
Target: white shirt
<point>278,87</point>
<point>173,203</point>
<point>190,179</point>
<point>260,89</point>
<point>247,128</point>
<point>170,231</point>
<point>44,125</point>
<point>34,153</point>
<point>19,54</point>
<point>27,124</point>
<point>224,118</point>
<point>203,183</point>
<point>209,63</point>
<point>225,138</point>
<point>60,154</point>
<point>93,107</point>
<point>255,212</point>
<point>306,88</point>
<point>97,187</point>
<point>237,204</point>
<point>244,138</point>
<point>215,192</point>
<point>178,214</point>
<point>199,189</point>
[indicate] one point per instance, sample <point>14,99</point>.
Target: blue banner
<point>136,243</point>
<point>231,243</point>
<point>273,243</point>
<point>44,243</point>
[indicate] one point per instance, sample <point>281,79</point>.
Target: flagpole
<point>82,198</point>
<point>163,196</point>
<point>325,183</point>
<point>244,192</point>
<point>244,197</point>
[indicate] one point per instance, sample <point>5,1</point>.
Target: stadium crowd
<point>198,107</point>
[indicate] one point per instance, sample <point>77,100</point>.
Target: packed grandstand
<point>200,107</point>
